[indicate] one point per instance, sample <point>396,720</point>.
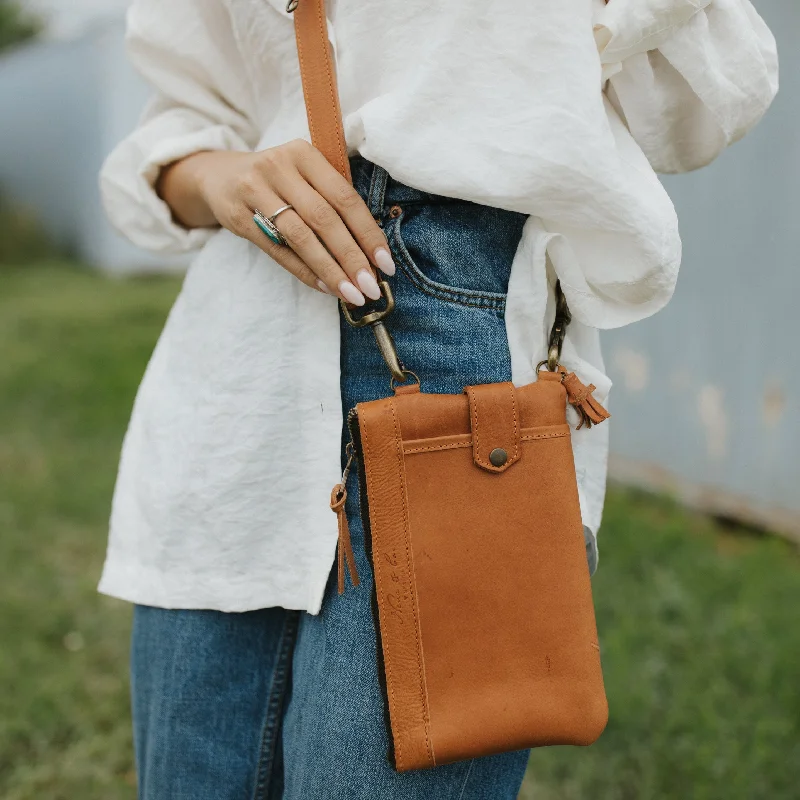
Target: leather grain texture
<point>319,84</point>
<point>393,566</point>
<point>484,598</point>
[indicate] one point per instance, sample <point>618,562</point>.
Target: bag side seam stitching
<point>413,574</point>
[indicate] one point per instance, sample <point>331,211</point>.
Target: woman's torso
<point>234,441</point>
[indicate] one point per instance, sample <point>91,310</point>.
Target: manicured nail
<point>323,288</point>
<point>351,294</point>
<point>383,258</point>
<point>367,283</point>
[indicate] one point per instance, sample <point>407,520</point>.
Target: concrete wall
<point>64,106</point>
<point>706,399</point>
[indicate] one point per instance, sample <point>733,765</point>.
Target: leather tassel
<point>344,547</point>
<point>580,396</point>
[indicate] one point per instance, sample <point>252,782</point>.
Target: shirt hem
<point>146,586</point>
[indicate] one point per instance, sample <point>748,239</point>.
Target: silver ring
<point>279,211</point>
<point>268,228</point>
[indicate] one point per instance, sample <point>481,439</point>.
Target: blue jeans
<point>278,704</point>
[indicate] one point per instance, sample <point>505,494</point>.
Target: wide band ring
<point>268,227</point>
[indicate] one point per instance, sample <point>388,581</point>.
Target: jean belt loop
<point>377,190</point>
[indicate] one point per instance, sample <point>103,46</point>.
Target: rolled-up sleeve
<point>688,77</point>
<point>187,51</point>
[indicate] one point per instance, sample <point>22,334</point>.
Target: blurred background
<point>698,591</point>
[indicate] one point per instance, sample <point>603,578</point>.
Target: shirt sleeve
<point>187,51</point>
<point>688,77</point>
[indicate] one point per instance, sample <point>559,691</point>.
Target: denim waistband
<point>381,190</point>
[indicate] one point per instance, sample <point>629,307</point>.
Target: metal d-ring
<point>407,373</point>
<point>373,316</point>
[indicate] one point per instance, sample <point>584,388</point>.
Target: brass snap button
<point>498,457</point>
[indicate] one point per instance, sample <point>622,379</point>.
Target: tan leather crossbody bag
<point>484,614</point>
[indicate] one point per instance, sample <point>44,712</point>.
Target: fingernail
<point>351,294</point>
<point>383,258</point>
<point>323,288</point>
<point>367,283</point>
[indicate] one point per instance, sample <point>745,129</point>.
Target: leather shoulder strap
<point>325,116</point>
<point>319,83</point>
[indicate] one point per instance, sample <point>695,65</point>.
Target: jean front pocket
<point>456,251</point>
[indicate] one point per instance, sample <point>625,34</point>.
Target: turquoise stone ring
<point>268,228</point>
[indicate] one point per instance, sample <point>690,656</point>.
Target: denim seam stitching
<point>491,298</point>
<point>464,297</point>
<point>466,779</point>
<point>276,698</point>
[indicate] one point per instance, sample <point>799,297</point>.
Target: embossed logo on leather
<point>394,598</point>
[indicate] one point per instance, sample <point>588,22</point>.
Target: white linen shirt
<point>559,110</point>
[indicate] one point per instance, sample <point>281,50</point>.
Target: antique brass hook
<point>374,319</point>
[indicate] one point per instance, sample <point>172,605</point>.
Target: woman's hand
<point>332,236</point>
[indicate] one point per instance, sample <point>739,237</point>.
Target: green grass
<point>698,623</point>
<point>73,348</point>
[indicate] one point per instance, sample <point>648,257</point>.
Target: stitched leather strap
<point>319,84</point>
<point>495,425</point>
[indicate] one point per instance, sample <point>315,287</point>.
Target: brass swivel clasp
<point>374,319</point>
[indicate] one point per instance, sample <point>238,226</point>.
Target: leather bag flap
<point>495,425</point>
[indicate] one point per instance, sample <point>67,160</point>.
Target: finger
<point>329,227</point>
<point>349,205</point>
<point>305,243</point>
<point>243,225</point>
